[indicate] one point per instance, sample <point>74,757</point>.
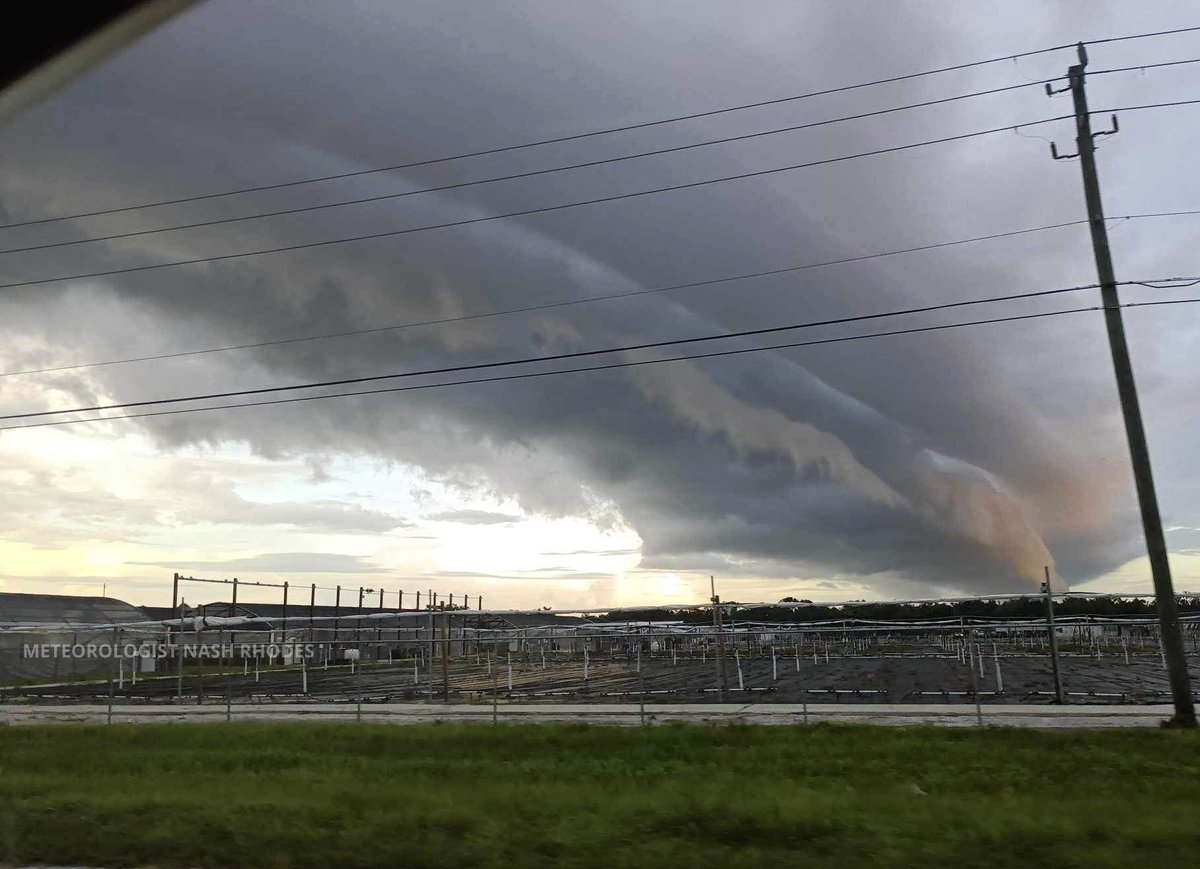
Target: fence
<point>505,659</point>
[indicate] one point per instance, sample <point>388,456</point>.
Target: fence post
<point>975,684</point>
<point>179,658</point>
<point>228,678</point>
<point>803,684</point>
<point>116,644</point>
<point>641,689</point>
<point>358,690</point>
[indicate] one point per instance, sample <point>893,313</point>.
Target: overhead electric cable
<point>523,213</point>
<point>593,133</point>
<point>540,142</point>
<point>559,357</point>
<point>591,368</point>
<point>533,173</point>
<point>1143,35</point>
<point>586,300</point>
<point>568,205</point>
<point>558,304</point>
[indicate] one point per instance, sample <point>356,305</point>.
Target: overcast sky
<point>947,462</point>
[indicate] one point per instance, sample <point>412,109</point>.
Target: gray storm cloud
<point>953,461</point>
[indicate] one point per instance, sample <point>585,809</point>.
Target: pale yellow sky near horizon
<point>123,518</point>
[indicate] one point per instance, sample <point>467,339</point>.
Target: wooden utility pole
<point>1139,452</point>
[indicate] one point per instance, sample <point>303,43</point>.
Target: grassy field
<point>466,796</point>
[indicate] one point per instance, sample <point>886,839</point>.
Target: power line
<point>559,357</point>
<point>593,368</point>
<point>560,304</point>
<point>567,205</point>
<point>552,141</point>
<point>1138,67</point>
<point>534,173</point>
<point>590,134</point>
<point>586,300</point>
<point>519,175</point>
<point>525,212</point>
<point>1143,35</point>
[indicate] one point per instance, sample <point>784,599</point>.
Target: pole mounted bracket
<point>1052,91</point>
<point>1057,156</point>
<point>1116,128</point>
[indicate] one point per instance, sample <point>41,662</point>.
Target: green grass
<point>296,795</point>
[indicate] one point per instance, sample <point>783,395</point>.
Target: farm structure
<point>439,655</point>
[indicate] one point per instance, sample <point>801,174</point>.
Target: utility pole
<point>722,674</point>
<point>1058,688</point>
<point>1139,453</point>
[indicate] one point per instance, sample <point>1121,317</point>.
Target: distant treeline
<point>1017,608</point>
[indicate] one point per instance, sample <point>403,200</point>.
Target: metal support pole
<point>803,688</point>
<point>446,656</point>
<point>1053,634</point>
<point>379,630</point>
<point>358,623</point>
<point>228,677</point>
<point>358,690</point>
<point>1139,451</point>
<point>233,601</point>
<point>722,674</point>
<point>337,612</point>
<point>116,645</point>
<point>174,603</point>
<point>432,642</point>
<point>975,686</point>
<point>641,687</point>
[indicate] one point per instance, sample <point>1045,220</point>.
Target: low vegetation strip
<point>299,795</point>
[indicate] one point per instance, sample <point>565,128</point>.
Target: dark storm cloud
<point>958,460</point>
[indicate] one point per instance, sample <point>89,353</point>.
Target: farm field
<point>922,677</point>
